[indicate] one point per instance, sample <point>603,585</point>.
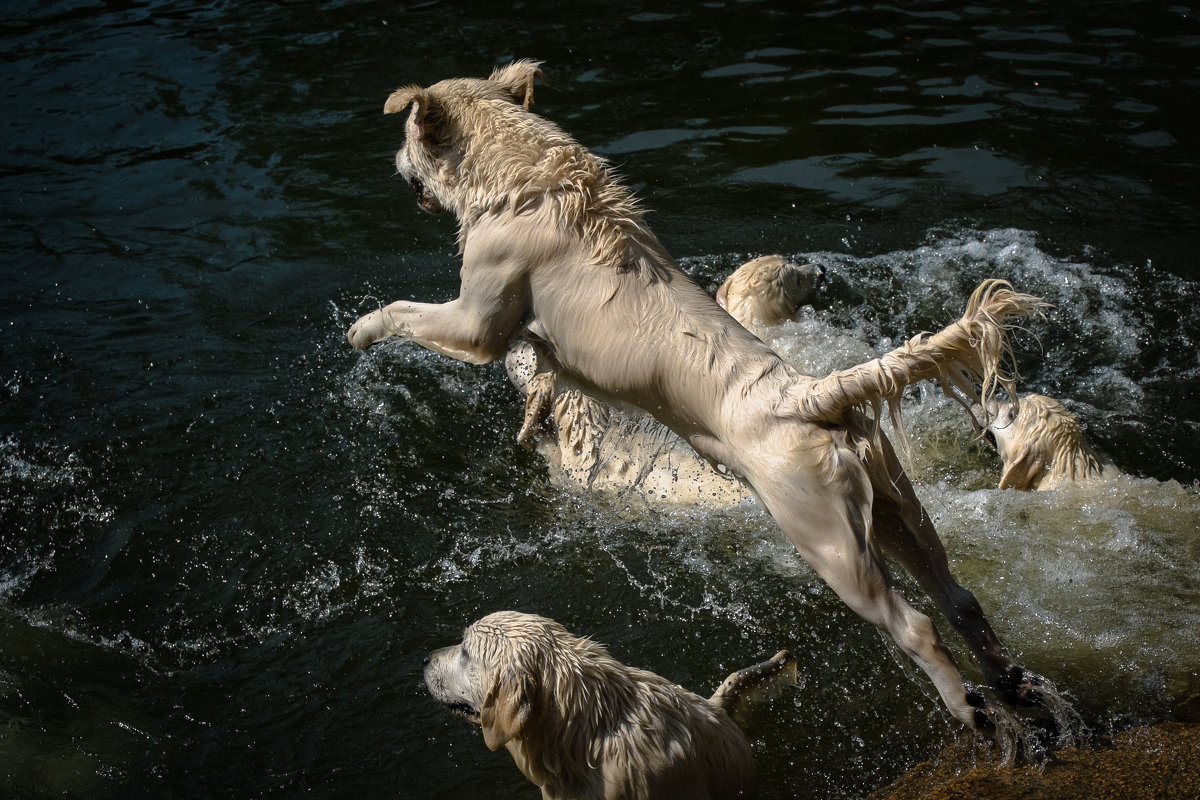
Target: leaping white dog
<point>554,248</point>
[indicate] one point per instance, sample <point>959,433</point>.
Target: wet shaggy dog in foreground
<point>556,250</point>
<point>579,723</point>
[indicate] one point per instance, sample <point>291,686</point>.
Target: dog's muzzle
<point>465,711</point>
<point>425,198</point>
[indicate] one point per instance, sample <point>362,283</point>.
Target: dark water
<point>227,540</point>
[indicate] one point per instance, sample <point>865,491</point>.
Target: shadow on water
<point>227,540</point>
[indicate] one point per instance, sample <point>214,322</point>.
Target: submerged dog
<point>1042,445</point>
<point>589,446</point>
<point>579,723</point>
<point>556,250</point>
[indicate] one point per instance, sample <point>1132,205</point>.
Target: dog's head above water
<point>473,147</point>
<point>505,668</point>
<point>1040,442</point>
<point>468,140</point>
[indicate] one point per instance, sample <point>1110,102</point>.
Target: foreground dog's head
<point>768,290</point>
<point>1041,444</point>
<point>490,678</point>
<point>578,722</point>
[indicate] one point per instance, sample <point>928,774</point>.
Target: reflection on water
<point>227,540</point>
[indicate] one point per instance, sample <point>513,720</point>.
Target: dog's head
<point>470,139</point>
<point>507,673</point>
<point>473,147</point>
<point>1037,438</point>
<point>768,290</point>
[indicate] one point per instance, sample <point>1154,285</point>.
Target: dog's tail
<point>961,357</point>
<point>746,685</point>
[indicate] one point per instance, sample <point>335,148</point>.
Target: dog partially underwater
<point>1041,444</point>
<point>556,250</point>
<point>581,724</point>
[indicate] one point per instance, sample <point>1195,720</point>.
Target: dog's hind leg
<point>830,525</point>
<point>903,529</point>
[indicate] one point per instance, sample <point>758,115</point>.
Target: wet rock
<point>1160,762</point>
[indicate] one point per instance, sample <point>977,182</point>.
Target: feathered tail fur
<point>964,358</point>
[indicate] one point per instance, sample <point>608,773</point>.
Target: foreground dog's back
<point>580,724</point>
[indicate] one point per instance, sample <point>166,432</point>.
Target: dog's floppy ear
<point>506,709</point>
<point>413,95</point>
<point>1020,472</point>
<point>517,80</point>
<point>405,96</point>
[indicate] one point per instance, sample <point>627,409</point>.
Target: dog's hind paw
<point>538,404</point>
<point>1021,687</point>
<point>977,701</point>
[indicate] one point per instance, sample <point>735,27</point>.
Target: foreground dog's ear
<point>1022,470</point>
<point>506,710</point>
<point>517,80</point>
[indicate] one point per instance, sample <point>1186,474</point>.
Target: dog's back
<point>687,749</point>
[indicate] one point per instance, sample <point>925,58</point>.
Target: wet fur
<point>589,446</point>
<point>767,290</point>
<point>1042,445</point>
<point>580,724</point>
<point>624,453</point>
<point>555,249</point>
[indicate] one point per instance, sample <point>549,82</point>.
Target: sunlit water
<point>227,540</point>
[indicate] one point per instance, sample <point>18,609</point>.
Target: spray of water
<point>1074,582</point>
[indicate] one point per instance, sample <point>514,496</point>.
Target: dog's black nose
<point>428,658</point>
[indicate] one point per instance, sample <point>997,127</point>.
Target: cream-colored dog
<point>629,456</point>
<point>581,724</point>
<point>1042,445</point>
<point>555,249</point>
<point>767,290</point>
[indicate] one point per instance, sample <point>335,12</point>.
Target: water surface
<point>227,540</point>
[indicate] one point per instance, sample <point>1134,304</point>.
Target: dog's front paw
<point>368,330</point>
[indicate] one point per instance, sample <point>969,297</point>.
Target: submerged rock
<point>1160,762</point>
